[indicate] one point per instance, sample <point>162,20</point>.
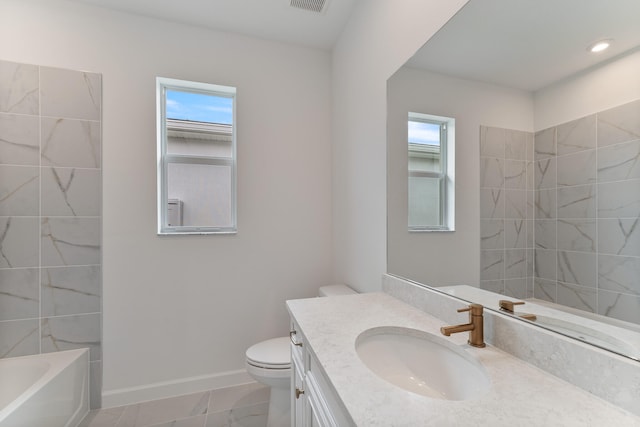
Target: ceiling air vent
<point>310,5</point>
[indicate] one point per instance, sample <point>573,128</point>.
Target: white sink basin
<point>422,363</point>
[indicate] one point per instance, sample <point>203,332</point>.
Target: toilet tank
<point>335,290</point>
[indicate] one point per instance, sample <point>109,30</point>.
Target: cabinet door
<point>317,412</point>
<point>297,391</point>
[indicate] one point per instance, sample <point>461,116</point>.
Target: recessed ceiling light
<point>599,46</point>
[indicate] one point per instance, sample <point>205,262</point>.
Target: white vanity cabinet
<point>313,403</point>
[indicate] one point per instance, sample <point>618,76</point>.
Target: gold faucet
<point>475,326</point>
<point>507,306</point>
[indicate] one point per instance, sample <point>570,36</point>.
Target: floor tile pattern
<point>240,406</point>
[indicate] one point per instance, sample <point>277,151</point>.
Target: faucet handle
<point>475,309</point>
<point>507,305</point>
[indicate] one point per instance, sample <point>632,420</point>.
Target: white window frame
<point>446,175</point>
<point>164,159</point>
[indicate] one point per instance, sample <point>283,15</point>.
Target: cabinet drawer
<point>297,341</point>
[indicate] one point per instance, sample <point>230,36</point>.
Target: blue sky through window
<point>199,107</point>
<point>424,133</point>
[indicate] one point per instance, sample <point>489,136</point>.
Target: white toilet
<point>269,362</point>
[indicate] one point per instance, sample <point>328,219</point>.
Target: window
<point>431,178</point>
<point>196,157</point>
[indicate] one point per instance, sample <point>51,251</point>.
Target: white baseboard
<point>161,390</point>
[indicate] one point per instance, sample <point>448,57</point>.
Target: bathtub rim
<point>58,361</point>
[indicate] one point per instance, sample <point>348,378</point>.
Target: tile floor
<point>241,406</point>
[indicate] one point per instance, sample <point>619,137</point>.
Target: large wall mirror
<point>547,161</point>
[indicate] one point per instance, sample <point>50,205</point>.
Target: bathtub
<point>44,390</point>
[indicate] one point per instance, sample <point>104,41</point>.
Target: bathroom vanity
<point>333,383</point>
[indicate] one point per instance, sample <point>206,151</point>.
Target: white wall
<point>380,36</point>
<point>444,258</point>
<point>607,86</point>
<point>178,309</point>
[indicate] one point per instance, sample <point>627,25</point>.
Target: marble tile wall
<point>506,211</point>
<point>560,219</point>
<point>50,213</point>
<point>587,213</point>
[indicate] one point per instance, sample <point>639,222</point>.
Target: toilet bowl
<point>269,363</point>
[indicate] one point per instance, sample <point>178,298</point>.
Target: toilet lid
<point>273,353</point>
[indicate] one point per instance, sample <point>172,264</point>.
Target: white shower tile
<point>95,384</point>
<point>491,173</point>
<point>619,306</point>
<point>545,234</point>
<point>70,290</point>
<point>515,233</point>
<point>515,264</point>
<point>530,143</point>
<point>577,202</point>
<point>619,274</point>
<point>515,174</point>
<point>531,174</point>
<point>619,199</point>
<point>545,173</point>
<point>70,241</point>
<point>71,143</point>
<point>545,290</point>
<point>491,264</point>
<point>18,242</point>
<point>545,204</point>
<point>492,203</point>
<point>492,234</point>
<point>71,332</point>
<point>577,135</point>
<point>619,236</point>
<point>19,190</point>
<point>492,142</point>
<point>70,94</point>
<point>580,297</point>
<point>545,264</point>
<point>544,144</point>
<point>577,169</point>
<point>18,88</point>
<point>578,268</point>
<point>19,338</point>
<point>19,139</point>
<point>495,286</point>
<point>531,204</point>
<point>619,124</point>
<point>516,288</point>
<point>516,144</point>
<point>530,234</point>
<point>19,293</point>
<point>515,204</point>
<point>71,192</point>
<point>619,162</point>
<point>577,235</point>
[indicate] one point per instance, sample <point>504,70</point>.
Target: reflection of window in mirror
<point>196,158</point>
<point>431,166</point>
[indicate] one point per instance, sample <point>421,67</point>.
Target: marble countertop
<point>520,394</point>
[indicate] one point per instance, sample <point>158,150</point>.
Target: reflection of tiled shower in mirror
<point>506,211</point>
<point>584,206</point>
<point>50,212</point>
